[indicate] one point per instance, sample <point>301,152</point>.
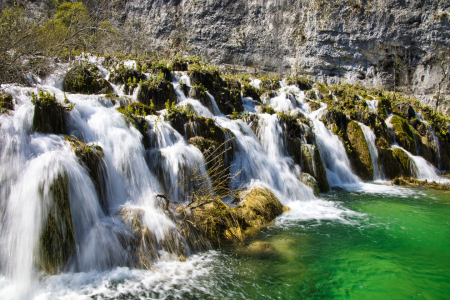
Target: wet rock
<point>390,164</point>
<point>404,160</point>
<point>308,180</point>
<point>135,115</point>
<point>312,164</point>
<point>6,103</point>
<point>404,134</point>
<point>359,153</point>
<point>49,114</point>
<point>91,157</point>
<point>86,80</point>
<point>156,91</point>
<point>412,182</point>
<point>57,241</point>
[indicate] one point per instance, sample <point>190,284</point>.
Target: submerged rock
<point>57,241</point>
<point>86,80</point>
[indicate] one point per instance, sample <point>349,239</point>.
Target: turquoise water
<point>398,249</point>
<point>350,245</point>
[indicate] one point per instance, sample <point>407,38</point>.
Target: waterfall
<point>370,139</point>
<point>420,168</point>
<point>333,154</point>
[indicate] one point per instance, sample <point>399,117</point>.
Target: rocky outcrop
<point>312,164</point>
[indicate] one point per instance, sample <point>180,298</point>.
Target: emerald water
<point>376,243</point>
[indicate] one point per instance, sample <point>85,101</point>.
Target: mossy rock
<point>49,114</point>
<point>157,91</point>
<point>258,207</point>
<point>313,105</point>
<point>404,134</point>
<point>391,166</point>
<point>312,164</point>
<point>129,77</point>
<point>135,114</point>
<point>309,181</point>
<point>199,92</point>
<point>6,103</point>
<point>57,240</point>
<point>249,91</point>
<point>412,182</point>
<point>86,80</point>
<point>303,83</point>
<point>91,158</point>
<point>405,110</point>
<point>226,93</point>
<point>360,154</point>
<point>404,160</point>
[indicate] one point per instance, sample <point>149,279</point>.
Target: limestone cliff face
<point>353,40</point>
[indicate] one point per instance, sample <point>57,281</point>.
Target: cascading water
<point>133,174</point>
<point>370,139</point>
<point>420,168</point>
<point>333,154</point>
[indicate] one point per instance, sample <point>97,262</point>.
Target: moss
<point>135,115</point>
<point>391,166</point>
<point>360,154</point>
<point>49,114</point>
<point>258,207</point>
<point>91,157</point>
<point>226,92</point>
<point>250,91</point>
<point>314,105</point>
<point>6,103</point>
<point>129,77</point>
<point>86,80</point>
<point>404,160</point>
<point>303,83</point>
<point>404,134</point>
<point>199,92</point>
<point>412,182</point>
<point>57,241</point>
<point>156,90</point>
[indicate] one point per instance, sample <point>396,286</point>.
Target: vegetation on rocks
<point>135,115</point>
<point>129,77</point>
<point>85,79</point>
<point>57,241</point>
<point>311,163</point>
<point>156,90</point>
<point>49,114</point>
<point>413,182</point>
<point>91,158</point>
<point>6,103</point>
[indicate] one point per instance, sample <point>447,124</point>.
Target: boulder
<point>156,91</point>
<point>312,164</point>
<point>308,180</point>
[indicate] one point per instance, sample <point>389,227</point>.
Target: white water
<point>30,161</point>
<point>333,154</point>
<point>420,168</point>
<point>370,139</point>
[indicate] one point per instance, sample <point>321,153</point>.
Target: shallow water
<point>373,242</point>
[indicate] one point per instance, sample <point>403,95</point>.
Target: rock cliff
<point>401,42</point>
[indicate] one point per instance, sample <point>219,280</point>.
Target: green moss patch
<point>86,79</point>
<point>49,114</point>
